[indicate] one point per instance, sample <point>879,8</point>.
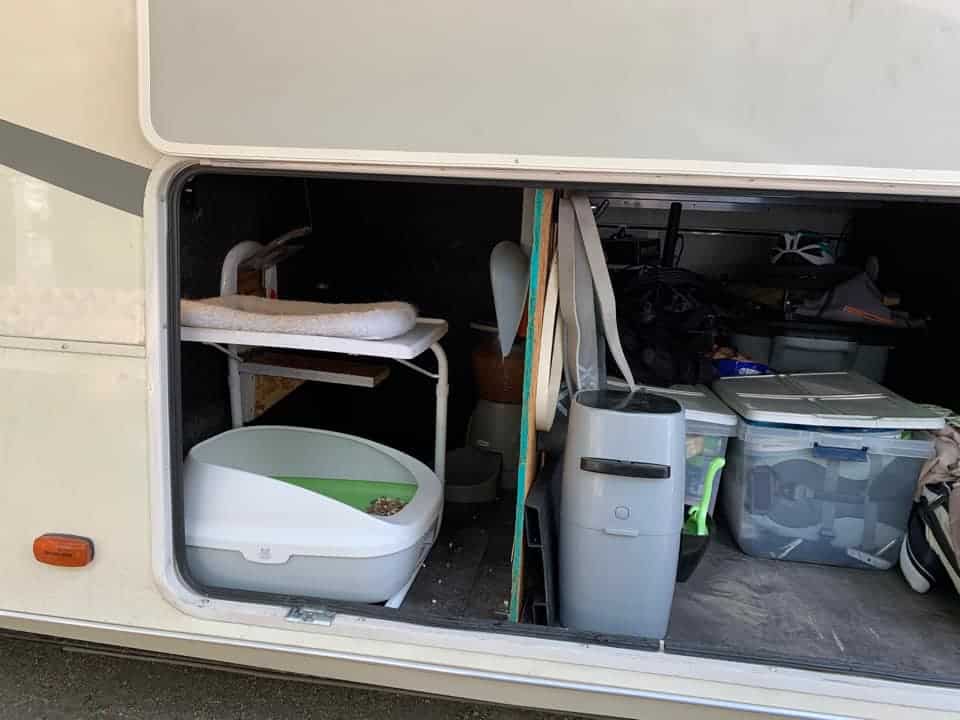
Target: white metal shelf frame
<point>424,336</point>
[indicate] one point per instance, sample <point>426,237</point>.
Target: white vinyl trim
<point>72,346</point>
<point>422,666</point>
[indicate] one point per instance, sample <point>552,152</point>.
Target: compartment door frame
<point>801,134</point>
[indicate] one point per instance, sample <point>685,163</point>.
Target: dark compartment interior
<point>429,244</point>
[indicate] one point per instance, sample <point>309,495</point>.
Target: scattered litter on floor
<point>836,639</point>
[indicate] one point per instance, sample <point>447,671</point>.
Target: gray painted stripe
<point>100,177</point>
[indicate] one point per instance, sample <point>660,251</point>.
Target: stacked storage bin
<point>823,468</point>
<point>710,424</point>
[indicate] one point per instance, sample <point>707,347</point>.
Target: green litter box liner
<point>359,494</point>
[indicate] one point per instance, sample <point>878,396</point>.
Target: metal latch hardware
<point>311,616</point>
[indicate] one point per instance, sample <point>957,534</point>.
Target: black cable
<point>669,248</point>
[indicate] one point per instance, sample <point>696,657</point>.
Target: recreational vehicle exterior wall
<point>705,95</point>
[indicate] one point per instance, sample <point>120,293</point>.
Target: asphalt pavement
<point>45,680</point>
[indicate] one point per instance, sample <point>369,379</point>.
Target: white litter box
<point>822,470</point>
<point>283,510</point>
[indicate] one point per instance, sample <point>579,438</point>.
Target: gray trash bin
<point>621,513</point>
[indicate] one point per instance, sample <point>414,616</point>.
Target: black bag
<point>667,325</point>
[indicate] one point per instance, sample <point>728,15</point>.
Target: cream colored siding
<point>70,267</point>
<point>69,69</point>
<point>73,460</point>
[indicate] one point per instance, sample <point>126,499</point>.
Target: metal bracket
<point>226,351</point>
<point>311,616</point>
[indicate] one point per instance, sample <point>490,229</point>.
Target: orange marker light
<point>63,550</point>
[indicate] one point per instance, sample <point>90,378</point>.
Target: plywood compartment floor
<point>467,574</point>
<point>860,621</point>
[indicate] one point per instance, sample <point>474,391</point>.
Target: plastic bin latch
<point>826,452</point>
<point>760,493</point>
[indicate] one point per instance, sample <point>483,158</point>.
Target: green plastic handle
<point>700,511</point>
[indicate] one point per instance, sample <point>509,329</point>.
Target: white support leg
<point>440,446</point>
<point>236,396</point>
<point>397,600</point>
<point>443,392</point>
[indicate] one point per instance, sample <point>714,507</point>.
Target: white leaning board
<point>837,399</point>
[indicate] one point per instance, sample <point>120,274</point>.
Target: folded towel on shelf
<point>364,321</point>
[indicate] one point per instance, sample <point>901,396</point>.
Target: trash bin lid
<point>625,401</point>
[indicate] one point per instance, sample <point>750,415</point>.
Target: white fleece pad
<point>364,321</point>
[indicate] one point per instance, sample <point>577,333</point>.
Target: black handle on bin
<point>625,468</point>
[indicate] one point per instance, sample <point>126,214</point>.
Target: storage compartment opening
<point>802,568</point>
<point>429,244</point>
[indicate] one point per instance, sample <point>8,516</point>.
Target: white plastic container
<point>827,399</point>
<point>709,424</point>
<point>248,530</point>
<point>831,480</point>
<point>495,427</point>
<point>471,475</point>
<point>826,497</point>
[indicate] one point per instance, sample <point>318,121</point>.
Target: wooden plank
<point>526,474</point>
<point>314,367</point>
<point>268,391</point>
